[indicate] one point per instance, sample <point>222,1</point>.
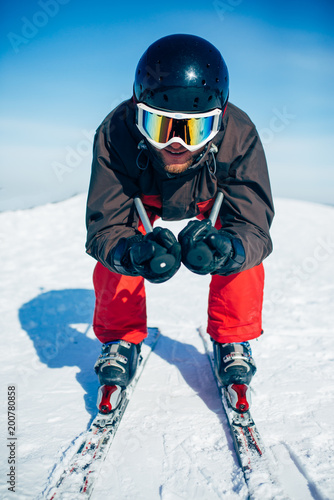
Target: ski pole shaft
<point>143,215</point>
<point>216,207</point>
<point>201,255</point>
<point>162,261</point>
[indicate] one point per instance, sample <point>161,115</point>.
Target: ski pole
<point>201,254</point>
<point>216,207</point>
<point>162,261</point>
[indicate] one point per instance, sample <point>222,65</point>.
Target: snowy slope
<point>173,441</point>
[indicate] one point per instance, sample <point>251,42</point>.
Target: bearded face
<point>175,158</point>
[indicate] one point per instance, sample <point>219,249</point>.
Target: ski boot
<point>115,367</point>
<point>234,368</point>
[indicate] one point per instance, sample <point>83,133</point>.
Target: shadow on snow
<point>57,322</point>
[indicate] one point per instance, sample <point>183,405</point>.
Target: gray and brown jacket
<point>121,171</point>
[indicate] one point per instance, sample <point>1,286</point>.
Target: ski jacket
<point>121,171</point>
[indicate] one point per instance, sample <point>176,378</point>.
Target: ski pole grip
<point>162,262</point>
<point>200,255</point>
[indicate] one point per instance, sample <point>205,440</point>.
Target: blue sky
<point>66,63</point>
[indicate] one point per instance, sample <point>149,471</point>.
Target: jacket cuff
<point>236,260</point>
<point>119,256</point>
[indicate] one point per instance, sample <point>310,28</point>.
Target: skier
<point>175,144</point>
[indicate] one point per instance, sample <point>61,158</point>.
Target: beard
<point>173,163</point>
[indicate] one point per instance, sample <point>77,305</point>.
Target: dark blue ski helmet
<point>182,73</point>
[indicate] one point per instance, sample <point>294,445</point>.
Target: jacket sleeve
<point>247,209</point>
<point>110,213</point>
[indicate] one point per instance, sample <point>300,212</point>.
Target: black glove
<point>206,250</point>
<point>155,256</point>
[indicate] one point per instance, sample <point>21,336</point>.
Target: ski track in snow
<point>173,442</point>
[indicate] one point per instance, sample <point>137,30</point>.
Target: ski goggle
<point>192,130</point>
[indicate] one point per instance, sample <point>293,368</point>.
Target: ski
<point>251,453</point>
<point>79,476</point>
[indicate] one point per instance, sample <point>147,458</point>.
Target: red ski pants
<point>234,310</point>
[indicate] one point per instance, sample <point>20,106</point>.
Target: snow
<point>173,442</point>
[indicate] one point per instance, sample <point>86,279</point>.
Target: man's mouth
<point>177,153</point>
<point>174,160</point>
